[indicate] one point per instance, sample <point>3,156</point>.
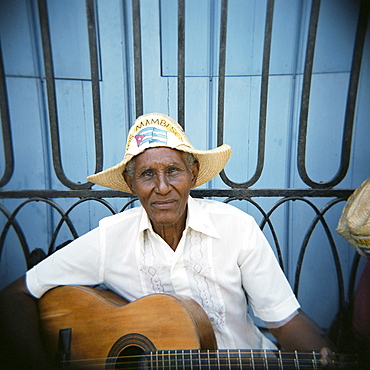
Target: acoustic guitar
<point>91,328</point>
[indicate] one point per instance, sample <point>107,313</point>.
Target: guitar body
<point>159,331</point>
<point>104,324</point>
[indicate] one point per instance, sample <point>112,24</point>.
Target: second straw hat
<point>354,223</point>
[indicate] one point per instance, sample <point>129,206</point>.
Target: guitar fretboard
<point>222,359</point>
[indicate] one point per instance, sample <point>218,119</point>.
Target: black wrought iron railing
<point>83,192</point>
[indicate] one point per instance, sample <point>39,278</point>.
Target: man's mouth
<point>164,204</point>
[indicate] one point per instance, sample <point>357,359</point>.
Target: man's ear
<point>128,180</point>
<point>195,172</point>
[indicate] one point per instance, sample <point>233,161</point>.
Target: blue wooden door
<point>250,101</point>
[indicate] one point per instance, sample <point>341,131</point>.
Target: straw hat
<point>354,224</point>
<point>159,130</point>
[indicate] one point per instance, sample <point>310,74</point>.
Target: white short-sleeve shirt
<point>222,254</point>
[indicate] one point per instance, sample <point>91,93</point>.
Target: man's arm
<point>302,334</point>
<point>20,340</point>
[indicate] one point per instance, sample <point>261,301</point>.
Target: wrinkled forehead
<point>151,156</point>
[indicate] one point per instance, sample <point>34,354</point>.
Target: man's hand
<point>327,357</point>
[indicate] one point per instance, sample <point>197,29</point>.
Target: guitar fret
<point>314,360</point>
<point>280,361</point>
<point>183,359</point>
<point>168,359</point>
<point>240,360</point>
<point>252,359</point>
<point>296,362</point>
<point>175,359</point>
<point>265,363</point>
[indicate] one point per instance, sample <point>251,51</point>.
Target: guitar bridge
<point>63,355</point>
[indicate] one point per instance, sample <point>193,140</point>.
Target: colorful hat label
<point>161,125</point>
<point>151,135</point>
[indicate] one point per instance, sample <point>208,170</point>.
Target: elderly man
<point>207,250</point>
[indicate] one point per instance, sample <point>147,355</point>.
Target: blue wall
<point>23,63</point>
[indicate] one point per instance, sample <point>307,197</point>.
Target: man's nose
<point>162,184</point>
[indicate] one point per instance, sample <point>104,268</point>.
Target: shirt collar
<point>198,219</point>
<point>144,221</point>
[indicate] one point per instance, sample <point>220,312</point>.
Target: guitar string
<point>163,358</point>
<point>195,352</point>
<point>232,365</point>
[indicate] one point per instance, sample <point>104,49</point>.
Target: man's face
<point>162,182</point>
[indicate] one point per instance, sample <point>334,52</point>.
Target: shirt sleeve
<point>267,288</point>
<point>279,324</point>
<point>78,263</point>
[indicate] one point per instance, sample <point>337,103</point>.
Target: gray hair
<point>189,158</point>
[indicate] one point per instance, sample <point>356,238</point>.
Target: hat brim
<point>211,163</point>
<point>354,223</point>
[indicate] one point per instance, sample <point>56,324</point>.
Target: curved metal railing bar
<point>221,74</point>
<point>131,201</point>
<point>354,271</point>
<point>320,217</point>
<point>136,25</point>
<point>5,126</point>
<point>265,219</point>
<point>198,193</point>
<point>94,68</point>
<point>11,220</point>
<point>263,99</point>
<point>351,97</point>
<point>65,216</point>
<point>19,232</point>
<point>52,105</point>
<point>181,63</point>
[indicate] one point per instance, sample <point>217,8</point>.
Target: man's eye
<point>147,173</point>
<point>172,170</point>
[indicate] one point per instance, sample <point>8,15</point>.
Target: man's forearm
<point>301,333</point>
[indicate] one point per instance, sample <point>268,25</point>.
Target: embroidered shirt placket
<point>150,267</point>
<point>200,270</point>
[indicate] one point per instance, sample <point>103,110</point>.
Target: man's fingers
<point>327,357</point>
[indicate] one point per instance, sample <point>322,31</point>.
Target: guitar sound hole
<point>128,351</point>
<point>129,358</point>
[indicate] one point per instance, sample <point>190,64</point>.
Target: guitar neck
<point>232,359</point>
<point>224,359</point>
